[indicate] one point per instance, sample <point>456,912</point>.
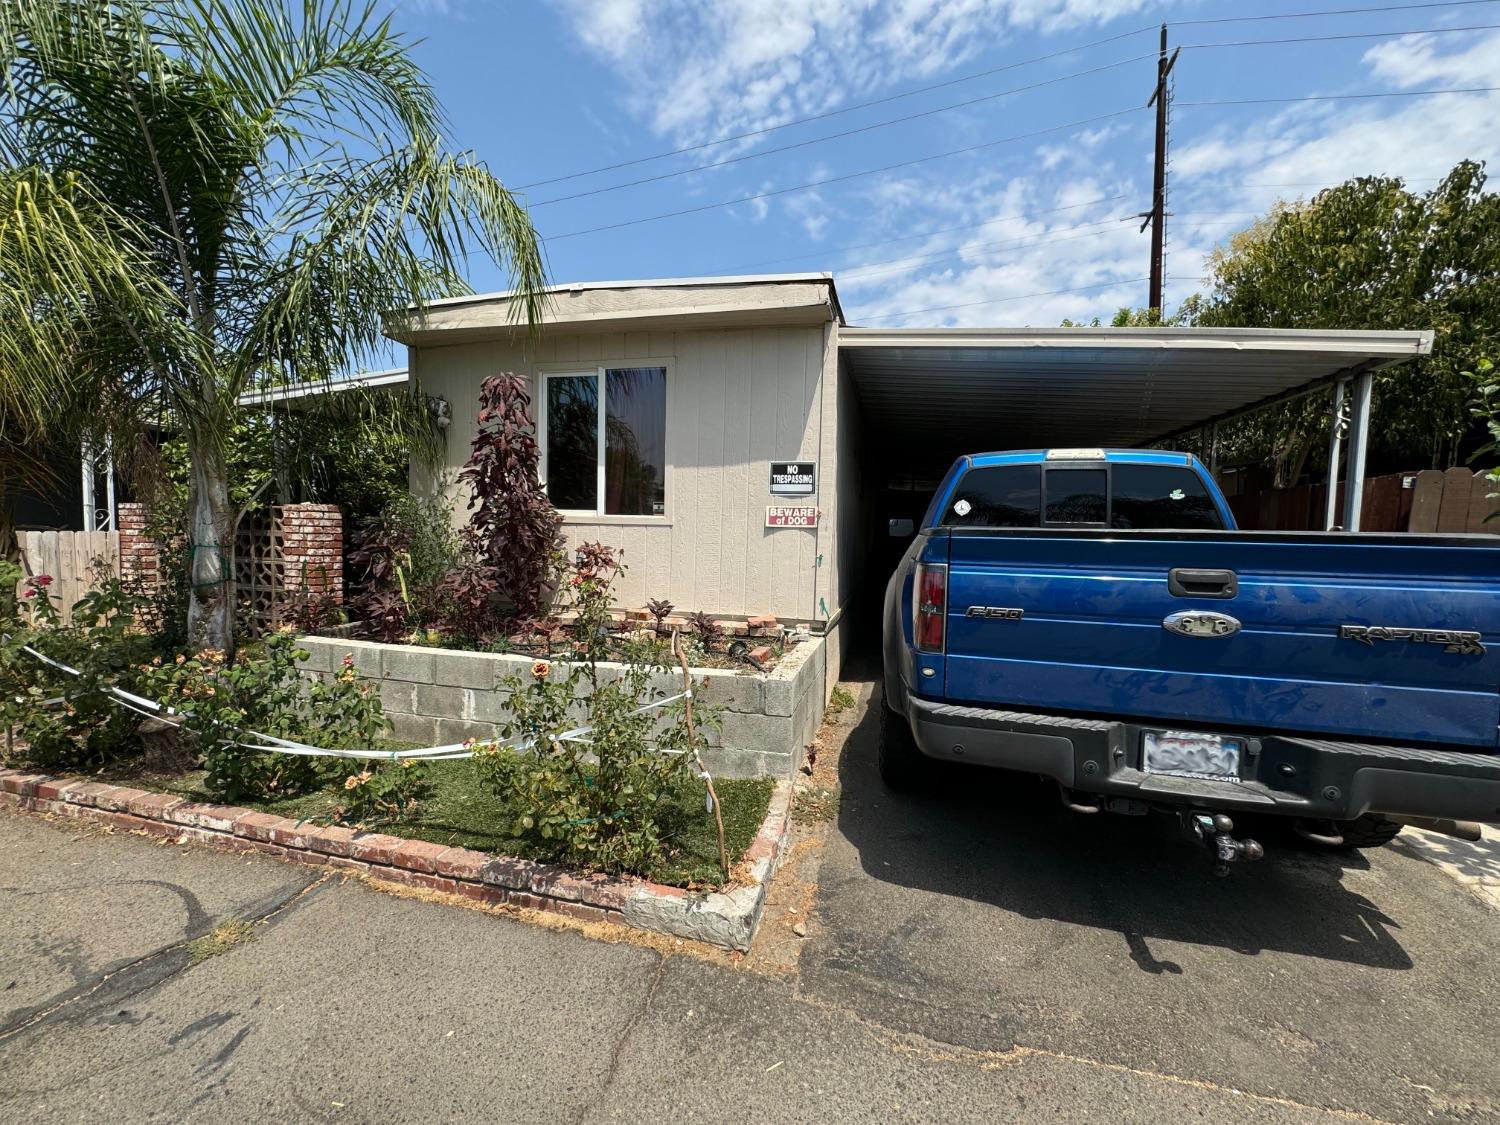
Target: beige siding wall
<point>737,398</point>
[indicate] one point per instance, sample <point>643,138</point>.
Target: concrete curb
<point>724,918</point>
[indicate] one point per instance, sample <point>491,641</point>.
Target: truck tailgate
<point>1091,637</point>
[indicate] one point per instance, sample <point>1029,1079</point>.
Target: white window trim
<point>597,371</point>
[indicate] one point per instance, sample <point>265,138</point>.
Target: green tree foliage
<point>1369,254</point>
<point>204,196</point>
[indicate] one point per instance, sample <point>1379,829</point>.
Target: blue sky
<point>544,89</point>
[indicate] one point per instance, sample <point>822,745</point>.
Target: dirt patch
<point>221,939</point>
<point>787,921</point>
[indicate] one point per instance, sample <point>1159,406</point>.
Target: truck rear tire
<point>1368,831</point>
<point>902,765</point>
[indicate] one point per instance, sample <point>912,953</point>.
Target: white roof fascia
<point>394,377</point>
<point>648,283</point>
<point>1382,344</point>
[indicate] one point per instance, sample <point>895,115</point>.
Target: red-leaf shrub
<point>514,525</point>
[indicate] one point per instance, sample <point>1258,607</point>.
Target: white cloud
<point>1414,60</point>
<point>694,70</point>
<point>1005,265</point>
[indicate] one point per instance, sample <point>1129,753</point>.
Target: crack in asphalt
<point>937,1051</point>
<point>586,1111</point>
<point>151,969</point>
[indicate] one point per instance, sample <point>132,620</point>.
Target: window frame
<point>598,371</point>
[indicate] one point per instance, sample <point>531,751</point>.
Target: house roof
<point>658,303</point>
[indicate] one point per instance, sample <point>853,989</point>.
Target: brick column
<point>140,558</point>
<point>312,549</point>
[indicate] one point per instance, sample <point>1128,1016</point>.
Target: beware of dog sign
<point>777,516</point>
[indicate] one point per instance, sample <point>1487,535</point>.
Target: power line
<point>1346,97</point>
<point>860,273</point>
<point>932,233</point>
<point>837,112</point>
<point>751,133</point>
<point>1337,38</point>
<point>1006,300</point>
<point>845,177</point>
<point>868,269</point>
<point>838,136</point>
<point>607,188</point>
<point>1332,12</point>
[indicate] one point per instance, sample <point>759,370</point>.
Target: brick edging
<point>475,875</point>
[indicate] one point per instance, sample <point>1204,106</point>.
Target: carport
<point>936,393</point>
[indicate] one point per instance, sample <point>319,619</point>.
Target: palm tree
<point>205,195</point>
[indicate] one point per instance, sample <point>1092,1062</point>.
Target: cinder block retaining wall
<point>437,696</point>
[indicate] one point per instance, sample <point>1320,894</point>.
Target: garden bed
<point>726,918</point>
<point>462,812</point>
<point>755,646</point>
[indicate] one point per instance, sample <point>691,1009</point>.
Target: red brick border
<point>497,880</point>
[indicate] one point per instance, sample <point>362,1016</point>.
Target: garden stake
<point>687,703</point>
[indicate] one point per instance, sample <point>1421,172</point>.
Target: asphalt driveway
<point>983,914</point>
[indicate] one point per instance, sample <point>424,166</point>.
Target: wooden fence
<point>73,558</point>
<point>1455,500</point>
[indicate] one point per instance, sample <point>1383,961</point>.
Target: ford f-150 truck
<point>1095,617</point>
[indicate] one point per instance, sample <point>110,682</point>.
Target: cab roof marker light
<point>1075,455</point>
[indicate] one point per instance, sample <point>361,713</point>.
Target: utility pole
<point>1156,218</point>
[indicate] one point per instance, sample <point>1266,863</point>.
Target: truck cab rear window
<point>1077,496</point>
<point>1127,496</point>
<point>1161,497</point>
<point>997,496</point>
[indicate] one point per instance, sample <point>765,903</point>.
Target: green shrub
<point>65,721</point>
<point>263,691</point>
<point>382,794</point>
<point>606,803</point>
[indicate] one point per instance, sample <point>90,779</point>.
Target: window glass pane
<point>635,441</point>
<point>1075,495</point>
<point>1161,496</point>
<point>998,496</point>
<point>573,442</point>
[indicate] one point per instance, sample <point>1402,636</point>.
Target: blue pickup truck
<point>1095,618</point>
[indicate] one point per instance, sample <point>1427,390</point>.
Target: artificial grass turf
<point>463,813</point>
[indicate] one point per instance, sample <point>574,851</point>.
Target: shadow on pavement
<point>1005,840</point>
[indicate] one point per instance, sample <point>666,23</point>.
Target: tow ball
<point>1213,831</point>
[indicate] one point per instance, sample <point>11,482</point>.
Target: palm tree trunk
<point>210,616</point>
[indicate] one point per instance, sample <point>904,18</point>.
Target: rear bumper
<point>1281,775</point>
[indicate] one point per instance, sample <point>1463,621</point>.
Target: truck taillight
<point>930,606</point>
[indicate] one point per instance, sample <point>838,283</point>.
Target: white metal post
<point>89,512</point>
<point>1359,434</point>
<point>1335,445</point>
<point>109,484</point>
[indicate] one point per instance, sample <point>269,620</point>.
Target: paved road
<point>971,958</point>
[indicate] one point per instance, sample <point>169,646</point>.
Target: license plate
<point>1215,757</point>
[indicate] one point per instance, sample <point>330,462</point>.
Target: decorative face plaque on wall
<point>779,516</point>
<point>794,478</point>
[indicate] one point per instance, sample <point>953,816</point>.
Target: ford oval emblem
<point>1201,623</point>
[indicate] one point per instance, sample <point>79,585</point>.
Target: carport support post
<point>1335,445</point>
<point>1359,433</point>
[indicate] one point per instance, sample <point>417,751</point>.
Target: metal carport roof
<point>972,389</point>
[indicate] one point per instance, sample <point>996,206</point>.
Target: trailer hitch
<point>1214,830</point>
